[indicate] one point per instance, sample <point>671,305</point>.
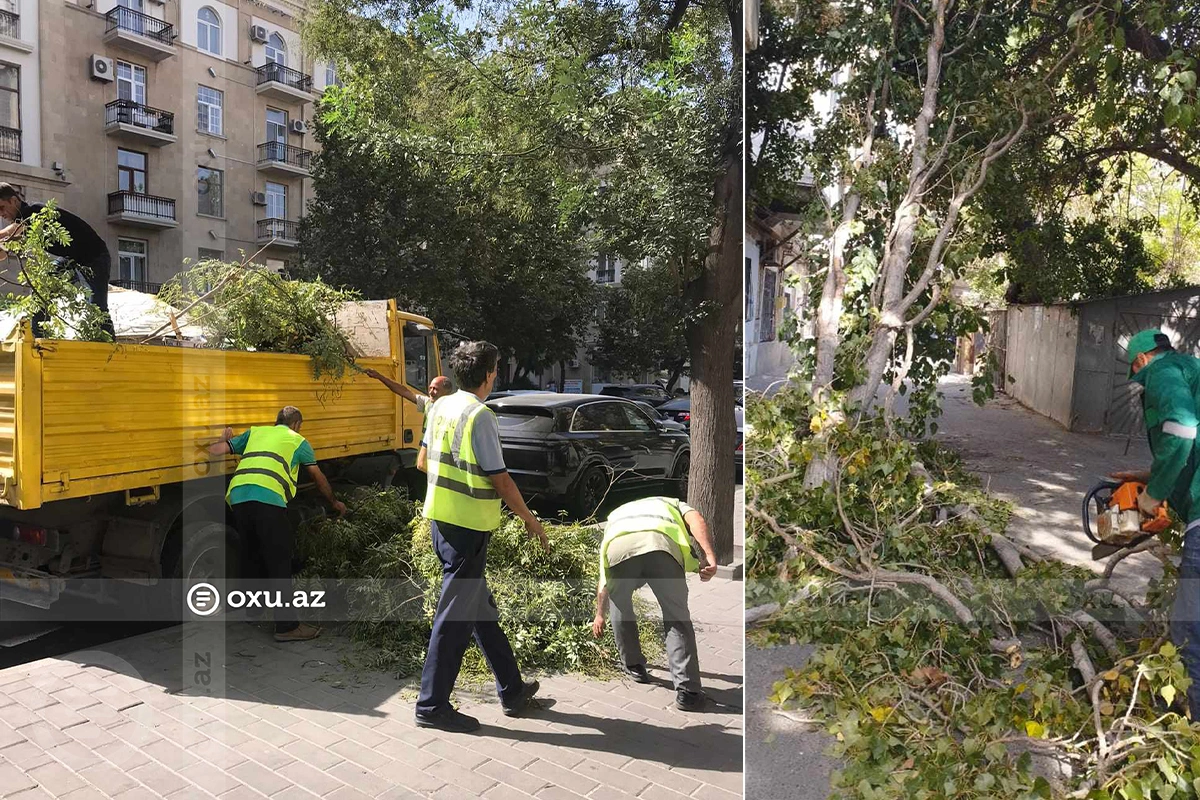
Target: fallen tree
<point>951,661</point>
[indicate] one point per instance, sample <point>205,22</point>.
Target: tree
<point>626,117</point>
<point>642,325</point>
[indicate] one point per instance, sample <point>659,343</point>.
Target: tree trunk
<point>711,343</point>
<point>562,376</point>
<point>675,373</point>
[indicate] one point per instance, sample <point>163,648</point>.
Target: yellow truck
<point>102,447</point>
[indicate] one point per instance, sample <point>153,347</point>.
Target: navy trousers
<point>465,609</point>
<point>1185,615</point>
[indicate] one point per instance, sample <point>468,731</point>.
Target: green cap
<point>1142,342</point>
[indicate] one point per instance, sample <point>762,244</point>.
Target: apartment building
<point>178,130</point>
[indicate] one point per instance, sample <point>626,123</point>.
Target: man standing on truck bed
<point>466,480</point>
<point>86,251</point>
<point>259,493</point>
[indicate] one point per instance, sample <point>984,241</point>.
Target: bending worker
<point>1170,404</point>
<point>649,542</point>
<point>438,387</point>
<point>466,480</point>
<point>259,493</point>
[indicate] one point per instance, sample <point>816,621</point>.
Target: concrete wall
<point>1040,359</point>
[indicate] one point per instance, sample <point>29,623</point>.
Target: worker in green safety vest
<point>650,541</point>
<point>259,492</point>
<point>466,482</point>
<point>1170,381</point>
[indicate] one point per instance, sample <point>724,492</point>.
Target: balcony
<point>10,144</point>
<point>144,210</point>
<point>284,159</point>
<point>133,121</point>
<point>278,232</point>
<point>140,33</point>
<point>137,286</point>
<point>283,83</point>
<point>10,32</point>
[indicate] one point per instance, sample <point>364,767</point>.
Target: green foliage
<point>642,324</point>
<point>381,556</point>
<point>246,307</point>
<point>920,704</point>
<point>51,291</point>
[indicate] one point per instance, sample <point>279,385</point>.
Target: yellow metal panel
<point>27,388</point>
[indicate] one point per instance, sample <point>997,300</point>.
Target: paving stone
<point>44,735</point>
<point>313,755</point>
<point>514,778</point>
<point>74,755</point>
<point>158,778</point>
<point>259,778</point>
<point>55,778</point>
<point>13,780</point>
<point>107,778</point>
<point>558,776</point>
<point>397,774</point>
<point>122,755</point>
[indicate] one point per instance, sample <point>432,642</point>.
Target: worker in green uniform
<point>259,492</point>
<point>649,541</point>
<point>1171,409</point>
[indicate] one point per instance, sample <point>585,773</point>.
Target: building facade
<point>179,130</point>
<point>774,288</point>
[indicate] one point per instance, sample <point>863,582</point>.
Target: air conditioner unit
<point>259,198</point>
<point>101,68</point>
<point>298,126</point>
<point>258,33</point>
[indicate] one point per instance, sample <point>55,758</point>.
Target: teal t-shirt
<point>260,494</point>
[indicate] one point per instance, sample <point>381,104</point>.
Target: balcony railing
<point>137,286</point>
<point>281,229</point>
<point>10,144</point>
<point>127,112</point>
<point>278,73</point>
<point>10,25</point>
<point>142,205</point>
<point>283,153</point>
<point>135,22</point>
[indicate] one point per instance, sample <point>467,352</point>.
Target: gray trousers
<point>669,583</point>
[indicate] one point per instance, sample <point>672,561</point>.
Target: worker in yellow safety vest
<point>466,481</point>
<point>650,541</point>
<point>259,492</point>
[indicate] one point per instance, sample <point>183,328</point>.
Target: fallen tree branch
<point>1103,635</point>
<point>759,613</point>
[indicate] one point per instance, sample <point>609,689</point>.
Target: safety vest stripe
<point>466,489</point>
<point>1174,428</point>
<point>269,454</point>
<point>639,517</point>
<point>461,425</point>
<point>287,490</point>
<point>449,460</point>
<point>462,476</point>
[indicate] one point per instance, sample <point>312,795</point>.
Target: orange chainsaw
<point>1119,521</point>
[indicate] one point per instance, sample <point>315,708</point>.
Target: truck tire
<point>200,551</point>
<point>590,491</point>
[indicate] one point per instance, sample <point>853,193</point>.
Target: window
<point>205,254</point>
<point>208,31</point>
<point>331,74</point>
<point>276,201</point>
<point>209,105</point>
<point>606,269</point>
<point>748,288</point>
<point>276,50</point>
<point>277,125</point>
<point>10,112</point>
<point>635,420</point>
<point>131,259</point>
<point>766,329</point>
<point>210,185</point>
<point>416,358</point>
<point>600,417</point>
<point>131,82</point>
<point>131,171</point>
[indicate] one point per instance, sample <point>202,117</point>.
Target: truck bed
<point>82,418</point>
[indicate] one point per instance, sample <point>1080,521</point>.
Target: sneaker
<point>638,673</point>
<point>689,701</point>
<point>449,719</point>
<point>302,633</point>
<point>521,703</point>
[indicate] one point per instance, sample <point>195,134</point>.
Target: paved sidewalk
<point>292,723</point>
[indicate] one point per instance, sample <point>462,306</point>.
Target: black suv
<point>650,393</point>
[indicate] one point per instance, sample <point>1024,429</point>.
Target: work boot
<point>689,701</point>
<point>521,703</point>
<point>638,673</point>
<point>448,719</point>
<point>301,633</point>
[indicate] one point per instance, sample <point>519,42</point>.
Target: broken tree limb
<point>1121,555</point>
<point>1103,635</point>
<point>759,613</point>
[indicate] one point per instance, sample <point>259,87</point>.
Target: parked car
<point>514,392</point>
<point>572,449</point>
<point>739,458</point>
<point>650,393</point>
<point>680,411</point>
<point>654,413</point>
<point>739,392</point>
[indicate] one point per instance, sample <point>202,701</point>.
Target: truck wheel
<point>201,551</point>
<point>680,476</point>
<point>590,492</point>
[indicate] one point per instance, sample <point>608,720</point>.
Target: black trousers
<point>465,609</point>
<point>97,272</point>
<point>266,536</point>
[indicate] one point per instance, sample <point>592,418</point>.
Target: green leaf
<point>1168,693</point>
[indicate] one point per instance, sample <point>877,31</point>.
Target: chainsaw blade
<point>1103,551</point>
